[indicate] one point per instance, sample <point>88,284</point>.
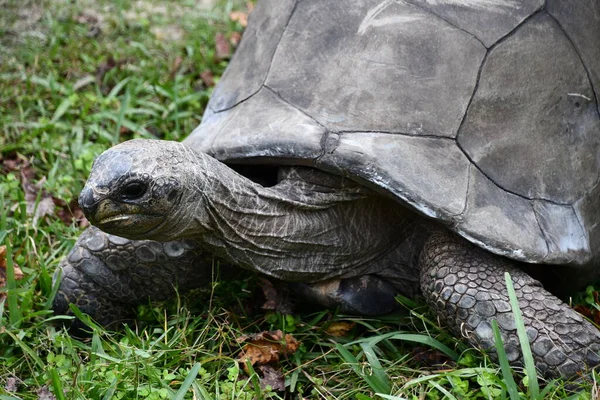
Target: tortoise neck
<point>310,226</point>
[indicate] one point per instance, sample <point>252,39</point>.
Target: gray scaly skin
<point>106,276</point>
<point>337,241</point>
<point>465,286</point>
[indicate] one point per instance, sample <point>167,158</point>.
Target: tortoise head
<point>136,187</point>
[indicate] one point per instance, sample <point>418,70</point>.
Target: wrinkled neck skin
<point>311,226</point>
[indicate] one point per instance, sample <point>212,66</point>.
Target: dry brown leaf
<point>588,311</point>
<point>271,377</point>
<point>271,295</point>
<point>27,171</point>
<point>16,269</point>
<point>276,297</point>
<point>207,78</point>
<point>3,253</point>
<point>93,20</point>
<point>12,385</point>
<point>70,212</point>
<point>222,47</point>
<point>235,39</point>
<point>2,256</point>
<point>168,33</point>
<point>266,347</point>
<point>429,357</point>
<point>40,209</point>
<point>339,328</point>
<point>239,16</point>
<point>45,394</point>
<point>242,16</point>
<point>13,161</point>
<point>108,65</point>
<point>175,66</point>
<point>86,18</point>
<point>124,131</point>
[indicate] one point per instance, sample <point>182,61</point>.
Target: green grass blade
<point>121,118</point>
<point>253,378</point>
<point>56,384</point>
<point>427,340</point>
<point>577,396</point>
<point>28,350</point>
<point>534,389</point>
<point>84,318</point>
<point>388,397</point>
<point>439,387</point>
<point>187,383</point>
<point>511,386</point>
<point>200,392</point>
<point>549,386</point>
<point>360,396</point>
<point>11,284</point>
<point>379,373</point>
<point>377,386</point>
<point>62,108</point>
<point>412,337</point>
<point>118,87</point>
<point>54,289</point>
<point>110,392</point>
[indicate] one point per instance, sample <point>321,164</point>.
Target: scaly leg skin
<point>106,276</point>
<point>465,286</point>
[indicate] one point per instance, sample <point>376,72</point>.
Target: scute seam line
<point>581,225</point>
<point>475,88</point>
<point>270,64</point>
<point>464,210</point>
<point>489,51</point>
<point>578,52</point>
<point>518,26</point>
<point>238,103</point>
<point>507,190</point>
<point>411,2</point>
<point>408,134</point>
<point>293,106</point>
<point>279,41</point>
<point>485,57</point>
<point>326,131</point>
<point>229,119</point>
<point>589,76</point>
<point>323,144</point>
<point>544,235</point>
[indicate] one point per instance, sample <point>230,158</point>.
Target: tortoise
<point>364,149</point>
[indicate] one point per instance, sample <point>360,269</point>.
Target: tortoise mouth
<point>114,218</point>
<point>129,225</point>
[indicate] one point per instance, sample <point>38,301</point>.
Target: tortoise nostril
<point>133,190</point>
<point>87,202</point>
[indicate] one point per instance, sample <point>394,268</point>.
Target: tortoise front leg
<point>465,286</point>
<point>107,276</point>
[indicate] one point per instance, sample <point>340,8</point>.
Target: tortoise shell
<point>481,114</point>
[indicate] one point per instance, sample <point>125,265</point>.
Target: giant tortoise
<point>361,149</point>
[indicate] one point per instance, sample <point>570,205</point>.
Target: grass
<point>79,77</point>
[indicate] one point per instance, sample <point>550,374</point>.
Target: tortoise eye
<point>133,190</point>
